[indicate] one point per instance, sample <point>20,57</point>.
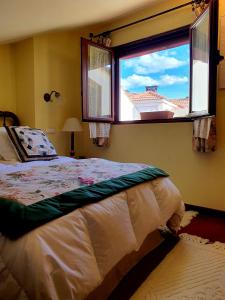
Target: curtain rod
<point>105,33</point>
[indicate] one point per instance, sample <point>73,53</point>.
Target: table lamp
<point>72,125</point>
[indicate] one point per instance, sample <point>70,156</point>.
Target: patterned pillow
<point>31,144</point>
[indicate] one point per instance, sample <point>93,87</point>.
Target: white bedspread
<point>68,258</point>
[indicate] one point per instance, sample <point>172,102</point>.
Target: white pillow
<point>7,151</point>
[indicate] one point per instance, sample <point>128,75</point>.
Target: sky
<point>169,69</point>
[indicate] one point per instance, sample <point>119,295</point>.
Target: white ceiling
<point>22,18</point>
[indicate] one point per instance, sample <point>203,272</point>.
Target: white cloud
<point>169,52</point>
<point>171,80</point>
<point>153,63</point>
<point>135,81</point>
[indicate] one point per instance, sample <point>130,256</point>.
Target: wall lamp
<point>47,96</point>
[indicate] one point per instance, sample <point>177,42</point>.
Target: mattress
<point>70,256</point>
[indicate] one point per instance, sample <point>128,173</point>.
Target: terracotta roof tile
<point>183,103</point>
<point>148,95</point>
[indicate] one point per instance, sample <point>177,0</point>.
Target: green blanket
<point>17,219</point>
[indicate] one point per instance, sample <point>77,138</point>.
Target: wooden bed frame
<point>9,117</point>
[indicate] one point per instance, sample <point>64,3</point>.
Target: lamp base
<point>72,152</point>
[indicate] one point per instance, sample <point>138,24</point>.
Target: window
<point>168,77</point>
<point>153,77</point>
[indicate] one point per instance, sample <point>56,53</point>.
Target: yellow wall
<point>7,79</point>
<point>24,77</point>
<point>57,67</point>
<point>41,64</point>
<point>200,177</point>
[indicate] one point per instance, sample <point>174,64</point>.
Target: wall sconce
<point>47,96</point>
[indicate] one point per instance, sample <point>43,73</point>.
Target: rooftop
<point>148,95</point>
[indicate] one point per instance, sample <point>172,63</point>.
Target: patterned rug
<point>193,270</point>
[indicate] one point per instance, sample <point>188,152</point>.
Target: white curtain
<point>99,82</point>
<point>99,85</point>
<point>200,71</point>
<point>204,134</point>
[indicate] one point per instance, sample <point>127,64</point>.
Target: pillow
<point>31,144</point>
<point>7,151</point>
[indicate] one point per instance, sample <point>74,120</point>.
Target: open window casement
<point>97,82</point>
<point>98,74</point>
<point>203,62</point>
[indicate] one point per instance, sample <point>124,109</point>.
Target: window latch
<point>219,57</point>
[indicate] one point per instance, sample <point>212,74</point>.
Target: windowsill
<point>174,120</point>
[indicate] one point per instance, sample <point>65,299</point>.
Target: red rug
<point>208,227</point>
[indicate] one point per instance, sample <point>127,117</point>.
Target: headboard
<point>7,117</point>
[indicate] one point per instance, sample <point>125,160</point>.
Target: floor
<point>204,225</point>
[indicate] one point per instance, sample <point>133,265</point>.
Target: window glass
<point>155,85</point>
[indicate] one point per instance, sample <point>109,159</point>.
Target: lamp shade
<point>72,125</point>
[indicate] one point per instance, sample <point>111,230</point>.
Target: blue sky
<point>169,69</point>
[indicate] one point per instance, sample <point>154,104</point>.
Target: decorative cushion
<point>31,144</point>
<point>7,151</point>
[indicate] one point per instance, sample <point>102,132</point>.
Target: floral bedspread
<point>41,182</point>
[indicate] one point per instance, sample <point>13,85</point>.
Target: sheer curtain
<point>99,86</point>
<point>200,65</point>
<point>204,128</point>
<point>99,82</point>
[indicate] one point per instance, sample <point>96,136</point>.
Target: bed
<point>53,247</point>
